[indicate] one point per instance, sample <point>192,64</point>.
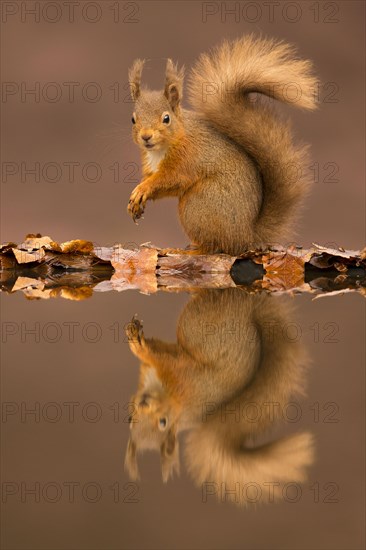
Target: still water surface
<point>228,420</point>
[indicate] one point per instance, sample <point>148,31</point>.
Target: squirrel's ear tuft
<point>173,90</point>
<point>134,77</point>
<point>131,461</point>
<point>169,454</point>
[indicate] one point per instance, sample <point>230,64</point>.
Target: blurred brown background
<point>71,120</point>
<point>70,54</point>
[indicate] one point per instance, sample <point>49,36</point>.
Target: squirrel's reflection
<point>227,379</point>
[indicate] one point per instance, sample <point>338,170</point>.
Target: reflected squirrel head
<point>156,120</point>
<point>153,426</point>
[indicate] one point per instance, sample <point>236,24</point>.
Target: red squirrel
<point>230,160</point>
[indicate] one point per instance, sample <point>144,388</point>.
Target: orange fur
<point>231,161</point>
<point>231,351</point>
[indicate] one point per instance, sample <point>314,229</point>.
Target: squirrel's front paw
<point>136,204</point>
<point>134,331</point>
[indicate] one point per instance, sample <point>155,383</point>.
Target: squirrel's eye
<point>133,119</point>
<point>166,119</point>
<point>162,423</point>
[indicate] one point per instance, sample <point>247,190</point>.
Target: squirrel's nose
<point>146,137</point>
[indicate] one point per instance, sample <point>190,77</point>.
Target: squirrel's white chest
<point>154,158</point>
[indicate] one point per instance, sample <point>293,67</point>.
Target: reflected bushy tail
<point>248,475</point>
<point>220,451</point>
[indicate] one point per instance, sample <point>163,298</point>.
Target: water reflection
<point>225,382</point>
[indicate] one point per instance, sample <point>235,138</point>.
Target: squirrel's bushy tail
<point>219,88</point>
